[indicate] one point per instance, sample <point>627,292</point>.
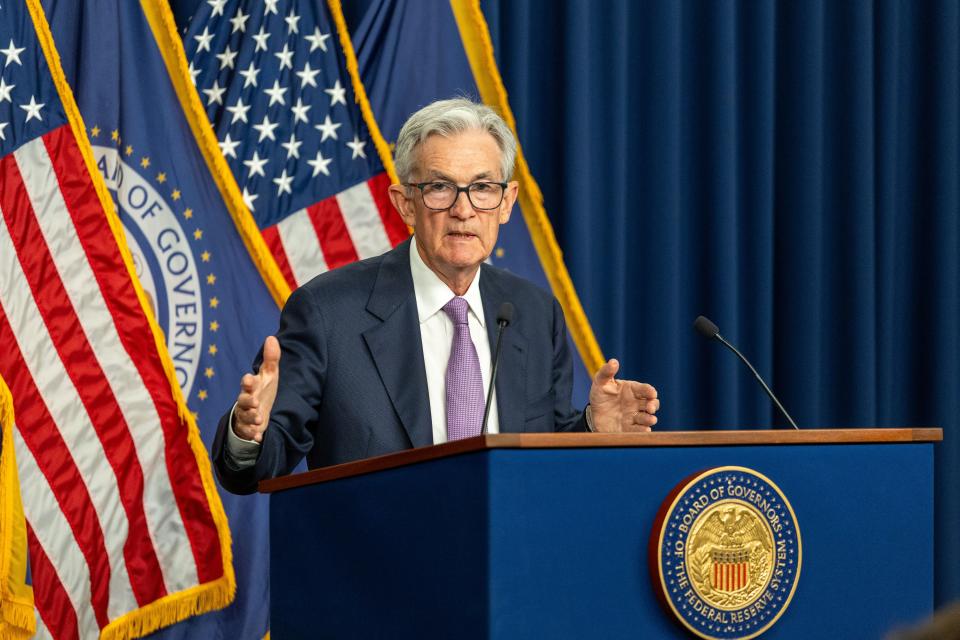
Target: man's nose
<point>462,208</point>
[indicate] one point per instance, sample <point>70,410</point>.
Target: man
<point>394,352</point>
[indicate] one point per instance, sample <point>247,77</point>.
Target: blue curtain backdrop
<point>789,169</point>
<point>792,171</point>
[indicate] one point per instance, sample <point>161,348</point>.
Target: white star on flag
<point>276,93</point>
<point>13,54</point>
<point>204,40</point>
<point>261,39</point>
<point>307,75</point>
<point>33,109</point>
<point>239,22</point>
<point>292,147</point>
<point>249,76</point>
<point>229,147</point>
<point>328,129</point>
<point>320,165</point>
<point>193,73</point>
<point>286,57</point>
<point>292,20</point>
<point>283,183</point>
<point>317,40</point>
<point>218,6</point>
<point>266,129</point>
<point>255,165</point>
<point>357,147</point>
<point>238,111</point>
<point>299,111</point>
<point>337,94</point>
<point>226,58</point>
<point>215,93</point>
<point>5,91</point>
<point>248,199</point>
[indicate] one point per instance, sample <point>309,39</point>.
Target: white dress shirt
<point>436,336</point>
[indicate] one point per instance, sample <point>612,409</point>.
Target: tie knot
<point>457,310</point>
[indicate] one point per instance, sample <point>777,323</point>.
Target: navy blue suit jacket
<point>352,381</point>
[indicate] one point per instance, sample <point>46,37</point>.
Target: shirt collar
<point>432,293</point>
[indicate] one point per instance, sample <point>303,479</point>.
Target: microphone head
<point>706,328</point>
<point>505,314</point>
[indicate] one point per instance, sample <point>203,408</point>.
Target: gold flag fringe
<point>17,616</point>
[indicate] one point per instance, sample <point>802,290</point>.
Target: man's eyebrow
<point>439,175</point>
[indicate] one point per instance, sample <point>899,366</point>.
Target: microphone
<point>504,317</point>
<point>710,331</point>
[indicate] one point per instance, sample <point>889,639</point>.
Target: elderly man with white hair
<point>394,352</point>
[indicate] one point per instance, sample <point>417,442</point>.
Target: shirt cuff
<point>240,453</point>
<point>588,417</point>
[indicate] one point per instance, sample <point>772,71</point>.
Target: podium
<point>547,535</point>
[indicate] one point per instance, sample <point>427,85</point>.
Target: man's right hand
<point>257,393</point>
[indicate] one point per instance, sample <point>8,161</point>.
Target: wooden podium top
<point>595,440</point>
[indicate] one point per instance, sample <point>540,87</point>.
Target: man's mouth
<point>461,234</point>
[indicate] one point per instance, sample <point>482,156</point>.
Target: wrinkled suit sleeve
<point>293,420</point>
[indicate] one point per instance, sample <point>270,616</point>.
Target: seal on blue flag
<point>161,251</point>
<point>725,553</point>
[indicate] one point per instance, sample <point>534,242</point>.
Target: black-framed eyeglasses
<point>441,195</point>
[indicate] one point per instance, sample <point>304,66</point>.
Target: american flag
<point>125,530</point>
<point>273,78</point>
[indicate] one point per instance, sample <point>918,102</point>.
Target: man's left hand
<point>621,405</point>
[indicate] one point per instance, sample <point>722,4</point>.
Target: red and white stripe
<point>116,510</point>
<point>357,223</point>
<point>729,576</point>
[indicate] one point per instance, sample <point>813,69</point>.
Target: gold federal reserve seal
<point>733,554</point>
<point>725,553</point>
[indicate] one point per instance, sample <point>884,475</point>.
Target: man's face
<point>454,242</point>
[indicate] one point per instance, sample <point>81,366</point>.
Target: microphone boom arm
<point>759,379</point>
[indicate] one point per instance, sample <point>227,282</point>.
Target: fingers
<point>607,372</point>
<point>647,395</point>
<point>248,383</point>
<point>638,421</point>
<point>271,354</point>
<point>643,390</point>
<point>644,419</point>
<point>247,420</point>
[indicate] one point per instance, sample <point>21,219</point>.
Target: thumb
<point>271,354</point>
<point>606,373</point>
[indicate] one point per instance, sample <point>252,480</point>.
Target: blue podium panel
<point>552,543</point>
<point>396,554</point>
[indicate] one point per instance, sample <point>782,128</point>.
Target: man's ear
<point>509,199</point>
<point>403,204</point>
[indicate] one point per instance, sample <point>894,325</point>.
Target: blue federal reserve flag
<point>214,289</point>
<point>412,53</point>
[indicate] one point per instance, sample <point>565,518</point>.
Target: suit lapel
<point>396,347</point>
<point>511,374</point>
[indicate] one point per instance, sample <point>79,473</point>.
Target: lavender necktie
<point>464,382</point>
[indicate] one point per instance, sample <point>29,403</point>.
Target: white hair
<point>447,118</point>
